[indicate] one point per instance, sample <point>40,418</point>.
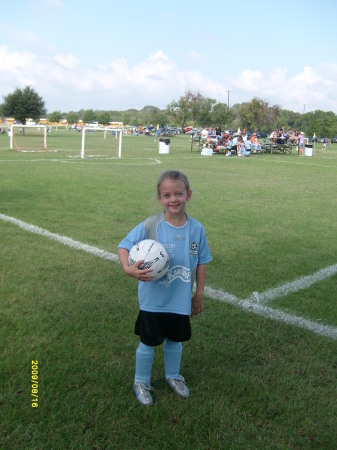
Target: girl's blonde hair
<point>173,175</point>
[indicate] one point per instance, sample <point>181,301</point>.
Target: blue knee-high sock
<point>144,359</point>
<point>172,358</point>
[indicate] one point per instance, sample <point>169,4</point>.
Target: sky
<point>115,55</point>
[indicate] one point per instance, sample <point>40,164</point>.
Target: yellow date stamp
<point>35,383</point>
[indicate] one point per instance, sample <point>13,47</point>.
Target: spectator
<point>240,145</point>
<point>211,140</point>
<point>291,136</point>
<point>222,143</point>
<point>204,134</point>
<point>246,149</point>
<point>225,144</point>
<point>229,147</point>
<point>301,144</point>
<point>325,142</point>
<point>211,133</point>
<point>225,137</point>
<point>274,135</point>
<point>255,144</point>
<point>235,143</point>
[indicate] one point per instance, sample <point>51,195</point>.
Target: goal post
<point>28,137</point>
<point>101,142</point>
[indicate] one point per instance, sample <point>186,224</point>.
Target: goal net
<point>101,143</point>
<point>28,138</point>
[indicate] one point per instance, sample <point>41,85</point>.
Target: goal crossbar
<point>118,134</point>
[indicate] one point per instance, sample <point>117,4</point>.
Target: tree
<point>221,115</point>
<point>89,116</point>
<point>72,117</point>
<point>288,119</point>
<point>24,104</point>
<point>55,116</point>
<point>258,115</point>
<point>321,123</point>
<point>202,109</point>
<point>191,107</point>
<point>105,118</point>
<point>148,115</point>
<point>180,110</point>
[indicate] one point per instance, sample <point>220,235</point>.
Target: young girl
<point>166,304</point>
<point>325,142</point>
<point>301,144</point>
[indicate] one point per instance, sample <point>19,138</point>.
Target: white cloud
<point>310,86</point>
<point>19,69</point>
<point>157,80</point>
<point>68,61</point>
<point>249,80</point>
<point>16,61</point>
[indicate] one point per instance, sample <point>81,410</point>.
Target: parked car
<point>193,131</point>
<point>311,139</point>
<point>175,130</point>
<point>261,134</point>
<point>170,131</point>
<point>334,140</point>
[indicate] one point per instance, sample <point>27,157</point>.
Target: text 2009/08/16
<point>35,383</point>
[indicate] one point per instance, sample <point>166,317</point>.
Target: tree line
<point>191,109</point>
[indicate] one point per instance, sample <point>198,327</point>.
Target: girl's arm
<point>198,299</point>
<point>134,270</point>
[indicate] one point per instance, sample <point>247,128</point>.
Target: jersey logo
<point>177,272</point>
<point>179,237</point>
<point>194,248</point>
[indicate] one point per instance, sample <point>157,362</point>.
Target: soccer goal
<point>29,138</point>
<point>101,142</point>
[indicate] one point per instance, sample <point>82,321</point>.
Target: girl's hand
<point>136,272</point>
<point>197,304</point>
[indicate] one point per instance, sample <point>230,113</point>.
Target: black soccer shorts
<point>154,327</point>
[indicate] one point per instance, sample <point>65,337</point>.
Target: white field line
<point>74,160</point>
<point>253,304</point>
<point>294,286</point>
<point>61,239</point>
<point>116,161</point>
<point>259,309</point>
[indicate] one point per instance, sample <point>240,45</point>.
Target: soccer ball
<point>154,255</point>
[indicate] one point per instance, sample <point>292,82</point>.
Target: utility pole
<point>228,98</point>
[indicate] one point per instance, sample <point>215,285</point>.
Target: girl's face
<point>173,196</point>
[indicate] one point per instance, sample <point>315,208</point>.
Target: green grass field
<point>262,361</point>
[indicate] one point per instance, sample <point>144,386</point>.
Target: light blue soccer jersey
<point>187,247</point>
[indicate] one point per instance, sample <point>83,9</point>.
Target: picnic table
<point>278,146</point>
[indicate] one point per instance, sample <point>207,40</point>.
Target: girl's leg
<point>172,358</point>
<point>144,359</point>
